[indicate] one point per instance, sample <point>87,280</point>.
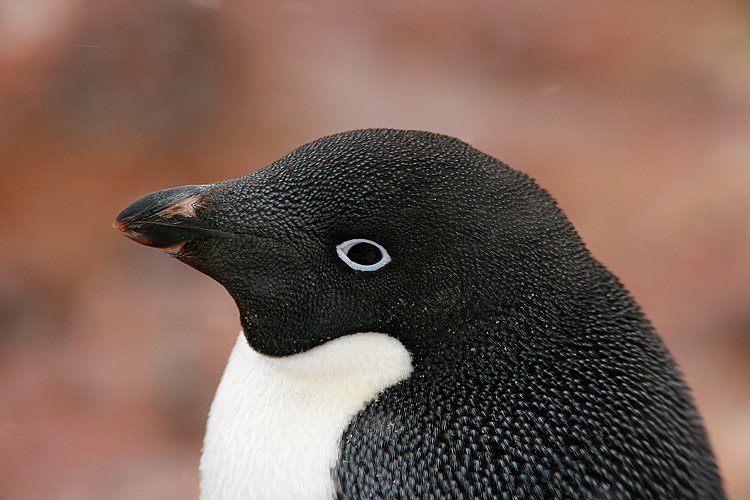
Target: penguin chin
<point>274,426</point>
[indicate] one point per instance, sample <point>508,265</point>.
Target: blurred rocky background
<point>634,114</point>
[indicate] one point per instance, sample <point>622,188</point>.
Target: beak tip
<point>124,227</point>
<point>119,224</point>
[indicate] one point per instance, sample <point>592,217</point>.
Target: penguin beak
<point>165,219</point>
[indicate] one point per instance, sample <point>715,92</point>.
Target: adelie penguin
<point>421,321</point>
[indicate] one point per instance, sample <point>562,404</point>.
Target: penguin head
<point>399,232</point>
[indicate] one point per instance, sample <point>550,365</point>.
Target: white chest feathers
<point>274,426</point>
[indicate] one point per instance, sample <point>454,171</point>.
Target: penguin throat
<point>274,426</point>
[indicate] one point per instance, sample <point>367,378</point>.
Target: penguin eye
<point>363,255</point>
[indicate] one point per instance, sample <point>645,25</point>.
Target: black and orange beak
<point>166,219</point>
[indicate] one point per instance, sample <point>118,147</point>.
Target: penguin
<point>420,321</point>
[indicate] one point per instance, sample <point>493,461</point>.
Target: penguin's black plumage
<point>518,366</point>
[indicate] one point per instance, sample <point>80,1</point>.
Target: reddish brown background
<point>634,114</point>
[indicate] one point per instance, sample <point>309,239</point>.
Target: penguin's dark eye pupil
<point>364,253</point>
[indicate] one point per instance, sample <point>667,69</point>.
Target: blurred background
<point>634,114</point>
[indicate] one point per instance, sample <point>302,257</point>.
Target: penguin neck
<point>274,426</point>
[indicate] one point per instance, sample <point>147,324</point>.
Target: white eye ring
<point>344,248</point>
